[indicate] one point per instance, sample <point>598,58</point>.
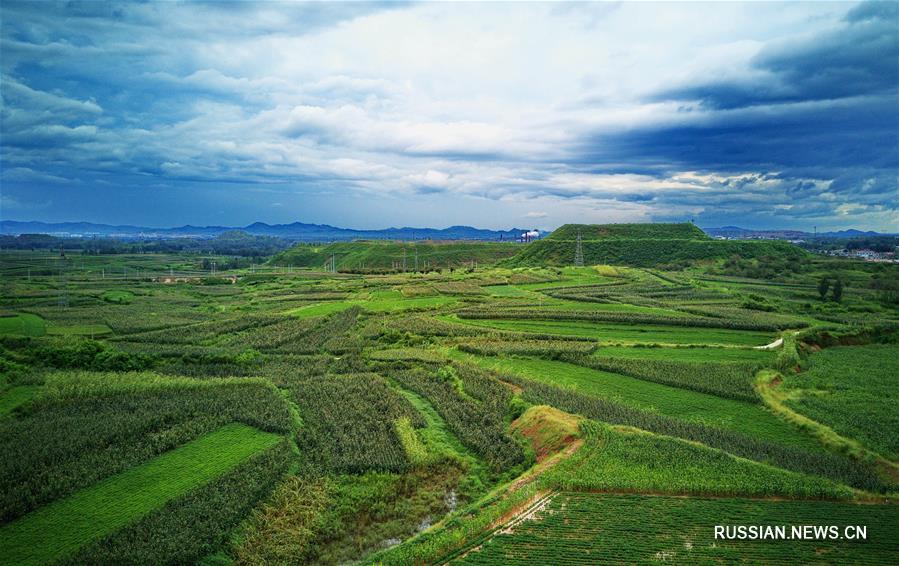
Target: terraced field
<point>627,529</point>
<point>629,334</point>
<point>670,401</point>
<point>59,529</point>
<point>518,411</point>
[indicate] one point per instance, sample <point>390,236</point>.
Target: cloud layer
<point>367,114</point>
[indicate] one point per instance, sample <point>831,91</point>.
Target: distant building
<point>530,235</point>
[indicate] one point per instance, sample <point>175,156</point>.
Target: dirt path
<point>776,344</point>
<point>767,385</point>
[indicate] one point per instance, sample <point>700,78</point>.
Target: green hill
<point>381,255</point>
<point>591,232</point>
<point>642,245</point>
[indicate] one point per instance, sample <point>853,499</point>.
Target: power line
<point>579,251</point>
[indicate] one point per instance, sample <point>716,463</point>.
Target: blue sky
<point>755,114</point>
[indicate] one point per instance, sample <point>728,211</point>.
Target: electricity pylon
<point>579,251</point>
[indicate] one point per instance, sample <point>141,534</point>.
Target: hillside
<point>642,245</point>
<point>368,255</point>
<point>685,231</point>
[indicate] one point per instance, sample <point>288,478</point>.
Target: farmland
<point>493,405</point>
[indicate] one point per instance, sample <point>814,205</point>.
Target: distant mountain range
<point>296,231</point>
<point>744,233</point>
<point>299,231</point>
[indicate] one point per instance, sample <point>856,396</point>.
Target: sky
<point>497,115</point>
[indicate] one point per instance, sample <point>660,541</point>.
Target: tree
<point>823,285</point>
<point>838,290</point>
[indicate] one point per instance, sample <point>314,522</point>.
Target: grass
<point>742,417</point>
<point>79,330</point>
<point>384,254</point>
<point>117,296</point>
<point>60,528</point>
<point>384,301</point>
<point>626,333</point>
<point>548,429</point>
<point>688,354</point>
<point>15,396</point>
<point>22,325</point>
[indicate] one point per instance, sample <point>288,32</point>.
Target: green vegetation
<point>380,255</point>
<point>474,408</point>
<point>643,245</point>
<point>735,355</point>
<point>437,414</point>
<point>689,406</point>
<point>212,511</point>
<point>15,396</point>
<point>852,389</point>
<point>576,528</point>
<point>626,460</point>
<point>57,530</point>
<point>22,325</point>
<point>731,380</point>
<point>349,423</point>
<point>629,334</point>
<point>86,427</point>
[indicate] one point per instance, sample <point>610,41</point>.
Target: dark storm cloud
<point>176,102</point>
<point>859,58</point>
<point>822,107</point>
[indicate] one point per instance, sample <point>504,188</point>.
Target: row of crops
<point>349,423</point>
<point>89,426</point>
<point>639,529</point>
<point>633,318</point>
<point>474,407</point>
<point>839,468</point>
<point>382,433</point>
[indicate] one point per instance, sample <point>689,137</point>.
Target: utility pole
<point>579,251</point>
<point>404,260</point>
<point>416,257</point>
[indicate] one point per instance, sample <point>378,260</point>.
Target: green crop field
<point>59,529</point>
<point>638,529</point>
<point>481,402</point>
<point>22,324</point>
<point>671,401</point>
<point>853,390</point>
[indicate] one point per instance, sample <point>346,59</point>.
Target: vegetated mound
<point>643,245</point>
<point>548,429</point>
<point>684,231</point>
<point>381,255</point>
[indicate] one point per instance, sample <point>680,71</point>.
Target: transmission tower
<point>579,251</point>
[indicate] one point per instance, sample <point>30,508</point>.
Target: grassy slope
<point>15,396</point>
<point>22,325</point>
<point>62,527</point>
<point>628,231</point>
<point>385,254</point>
<point>641,245</point>
<point>745,418</point>
<point>378,301</point>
